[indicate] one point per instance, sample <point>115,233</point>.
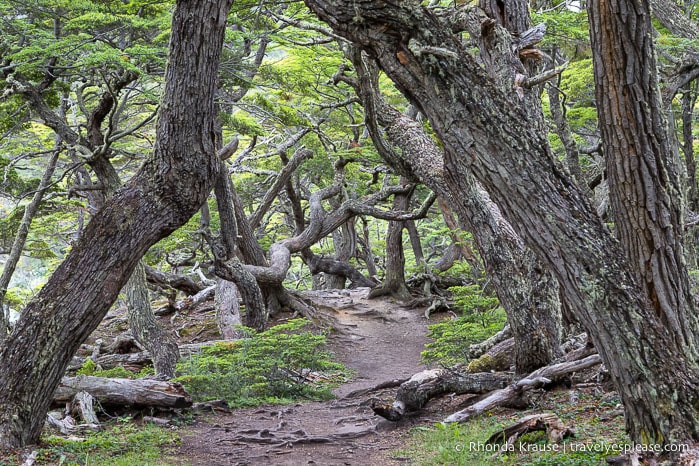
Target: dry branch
<point>513,391</point>
<point>547,422</point>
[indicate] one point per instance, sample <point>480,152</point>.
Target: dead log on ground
<point>124,392</point>
<point>537,378</point>
<point>423,386</point>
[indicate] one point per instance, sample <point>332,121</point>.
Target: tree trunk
<point>159,341</point>
<point>345,243</point>
<point>228,310</point>
<point>168,189</point>
<point>689,101</point>
<point>394,281</point>
<point>644,185</point>
<point>482,132</point>
<point>526,289</point>
<point>563,131</point>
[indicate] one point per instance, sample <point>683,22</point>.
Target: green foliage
<point>481,317</point>
<point>89,367</point>
<point>17,297</point>
<point>123,444</point>
<point>260,368</point>
<point>566,29</point>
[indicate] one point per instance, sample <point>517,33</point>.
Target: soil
<point>381,341</point>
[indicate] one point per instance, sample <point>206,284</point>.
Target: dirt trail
<point>383,342</point>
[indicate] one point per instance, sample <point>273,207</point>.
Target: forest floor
<point>381,341</point>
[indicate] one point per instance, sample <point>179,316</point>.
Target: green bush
<point>265,367</point>
<point>481,317</point>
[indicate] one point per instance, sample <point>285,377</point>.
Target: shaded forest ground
<point>381,341</point>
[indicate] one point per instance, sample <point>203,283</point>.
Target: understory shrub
<point>284,363</point>
<point>481,317</point>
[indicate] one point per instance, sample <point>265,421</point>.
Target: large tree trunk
<point>644,185</point>
<point>168,189</point>
<point>483,132</point>
<point>526,289</point>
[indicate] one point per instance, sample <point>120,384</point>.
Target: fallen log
<point>537,378</point>
<point>124,392</point>
<point>414,394</point>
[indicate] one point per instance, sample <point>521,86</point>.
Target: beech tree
<point>170,187</point>
<point>485,130</point>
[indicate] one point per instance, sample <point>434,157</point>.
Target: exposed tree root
<point>423,386</point>
<point>285,438</point>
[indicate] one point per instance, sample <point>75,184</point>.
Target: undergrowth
<point>121,444</point>
<point>598,432</point>
<point>89,367</point>
<point>282,364</point>
<point>480,318</point>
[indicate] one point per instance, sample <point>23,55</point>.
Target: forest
<point>422,232</point>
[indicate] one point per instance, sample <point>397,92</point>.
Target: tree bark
<point>394,281</point>
<point>482,132</point>
<point>168,189</point>
<point>227,310</point>
<point>644,184</point>
<point>526,289</point>
<point>159,341</point>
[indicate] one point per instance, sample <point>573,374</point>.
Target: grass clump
<point>90,368</point>
<point>279,365</point>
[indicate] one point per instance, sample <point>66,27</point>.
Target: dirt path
<point>384,342</point>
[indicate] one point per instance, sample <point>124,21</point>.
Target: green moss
<point>487,363</point>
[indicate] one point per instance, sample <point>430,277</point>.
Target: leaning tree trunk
<point>484,133</point>
<point>148,332</point>
<point>168,189</point>
<point>526,289</point>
